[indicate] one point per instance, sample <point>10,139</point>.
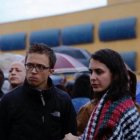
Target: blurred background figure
<point>1,83</point>
<point>59,81</point>
<point>16,74</point>
<point>69,87</point>
<point>82,86</point>
<point>132,86</point>
<point>82,92</point>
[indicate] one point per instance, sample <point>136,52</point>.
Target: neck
<point>98,95</point>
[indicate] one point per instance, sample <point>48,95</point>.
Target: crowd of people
<point>36,108</point>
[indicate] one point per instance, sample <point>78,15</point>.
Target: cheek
<point>106,81</point>
<point>22,78</point>
<point>44,75</point>
<point>23,75</point>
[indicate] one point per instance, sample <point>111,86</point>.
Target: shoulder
<point>124,104</point>
<point>88,106</point>
<point>119,109</point>
<point>13,95</point>
<point>12,100</point>
<point>61,94</point>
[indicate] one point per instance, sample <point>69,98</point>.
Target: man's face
<point>100,77</point>
<point>16,74</point>
<point>36,77</point>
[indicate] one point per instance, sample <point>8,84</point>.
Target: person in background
<point>17,74</point>
<point>1,83</point>
<point>132,85</point>
<point>69,87</point>
<point>59,81</point>
<point>82,91</point>
<point>115,116</point>
<point>37,110</point>
<point>82,87</point>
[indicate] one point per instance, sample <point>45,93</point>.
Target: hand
<point>69,136</point>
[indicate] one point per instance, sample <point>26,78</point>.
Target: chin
<point>97,90</point>
<point>33,84</point>
<point>100,91</point>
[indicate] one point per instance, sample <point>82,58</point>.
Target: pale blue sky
<point>14,10</point>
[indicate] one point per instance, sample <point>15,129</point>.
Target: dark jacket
<point>1,93</point>
<point>29,114</point>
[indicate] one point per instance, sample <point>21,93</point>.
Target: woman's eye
<point>98,71</point>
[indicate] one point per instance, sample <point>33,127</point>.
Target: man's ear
<point>51,71</point>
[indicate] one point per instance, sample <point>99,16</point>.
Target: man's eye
<point>30,65</point>
<point>39,66</point>
<point>12,69</point>
<point>18,70</point>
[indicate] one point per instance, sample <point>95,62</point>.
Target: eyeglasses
<point>38,67</point>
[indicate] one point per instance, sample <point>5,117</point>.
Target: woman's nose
<point>93,76</point>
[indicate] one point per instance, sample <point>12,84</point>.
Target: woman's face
<point>100,76</point>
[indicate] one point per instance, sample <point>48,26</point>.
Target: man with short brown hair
<point>37,110</point>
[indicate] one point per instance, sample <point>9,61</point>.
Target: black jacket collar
<point>33,91</point>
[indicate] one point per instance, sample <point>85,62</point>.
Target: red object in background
<point>68,64</point>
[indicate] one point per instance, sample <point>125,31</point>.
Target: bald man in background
<point>16,74</point>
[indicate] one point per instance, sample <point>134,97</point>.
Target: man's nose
<point>13,71</point>
<point>34,70</point>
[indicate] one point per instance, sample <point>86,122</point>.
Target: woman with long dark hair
<point>115,117</point>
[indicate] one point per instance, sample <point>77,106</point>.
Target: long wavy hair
<point>112,59</point>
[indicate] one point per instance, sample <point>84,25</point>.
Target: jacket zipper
<point>43,103</point>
